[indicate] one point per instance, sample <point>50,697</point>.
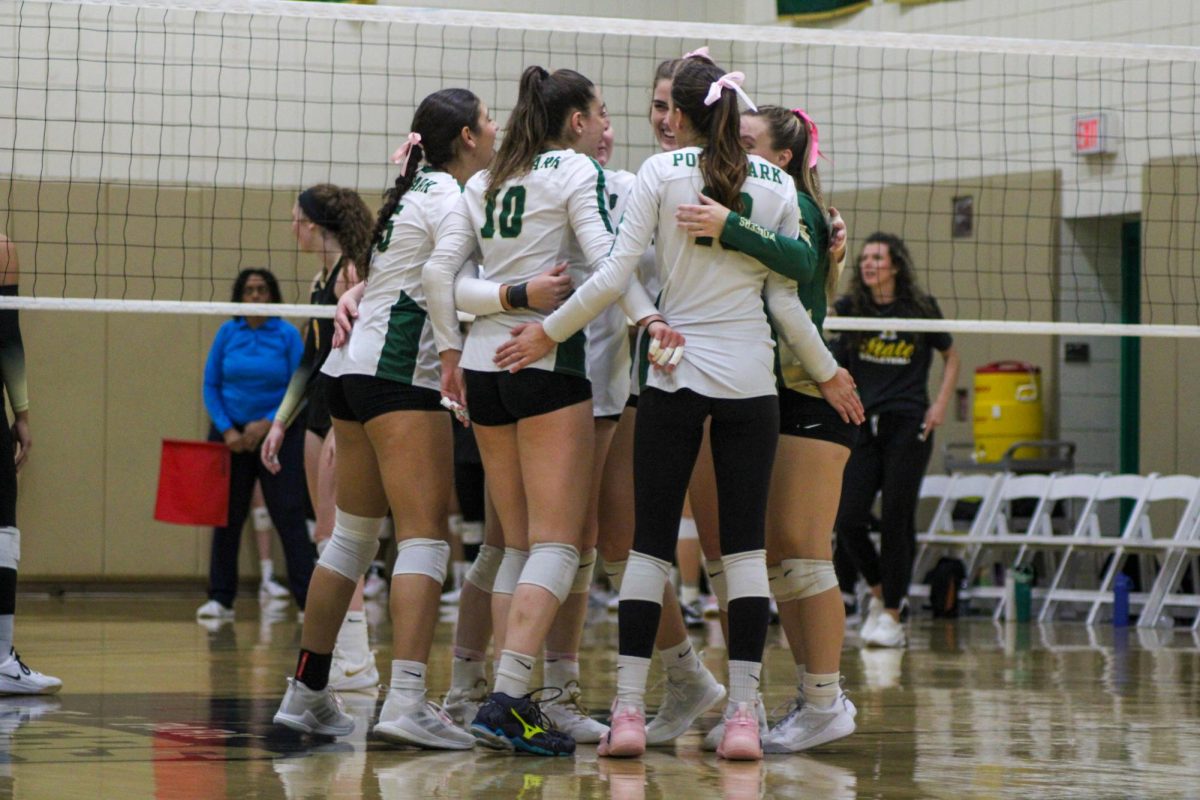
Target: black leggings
<point>889,459</point>
<point>744,434</point>
<point>284,495</point>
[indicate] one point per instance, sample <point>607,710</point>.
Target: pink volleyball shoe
<point>626,736</point>
<point>742,740</point>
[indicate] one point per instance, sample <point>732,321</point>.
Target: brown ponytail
<point>723,163</point>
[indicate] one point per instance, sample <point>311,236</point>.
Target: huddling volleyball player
<point>815,440</point>
<point>713,297</point>
<point>334,224</point>
<point>540,203</point>
<point>394,438</point>
<point>15,442</point>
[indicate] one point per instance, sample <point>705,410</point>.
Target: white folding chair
<point>941,532</point>
<point>1000,531</point>
<point>1088,536</point>
<point>1178,553</point>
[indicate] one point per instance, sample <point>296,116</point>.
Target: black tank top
<point>320,331</point>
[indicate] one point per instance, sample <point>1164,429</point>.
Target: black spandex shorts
<point>8,475</point>
<point>502,398</point>
<point>813,418</point>
<point>362,398</point>
<point>631,401</point>
<point>317,417</point>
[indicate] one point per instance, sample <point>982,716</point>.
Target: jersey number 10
<point>512,206</point>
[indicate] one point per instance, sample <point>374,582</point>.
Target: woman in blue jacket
<point>249,366</point>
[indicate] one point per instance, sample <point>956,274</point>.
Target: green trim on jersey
<point>812,292</point>
<point>402,343</point>
<point>601,195</point>
<point>643,358</point>
<point>570,358</point>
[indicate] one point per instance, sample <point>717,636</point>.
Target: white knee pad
<point>552,566</point>
<point>645,578</point>
<point>746,574</point>
<point>511,567</point>
<point>422,557</point>
<point>387,528</point>
<point>262,519</point>
<point>10,548</point>
<point>615,572</point>
<point>715,570</point>
<point>583,575</point>
<point>353,545</point>
<point>471,532</point>
<point>482,573</point>
<point>687,529</point>
<point>776,582</point>
<point>803,577</point>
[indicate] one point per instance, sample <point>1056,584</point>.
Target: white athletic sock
<point>680,662</point>
<point>559,669</point>
<point>467,668</point>
<point>821,691</point>
<point>352,636</point>
<point>408,680</point>
<point>744,681</point>
<point>632,674</point>
<point>689,593</point>
<point>514,673</point>
<point>266,568</point>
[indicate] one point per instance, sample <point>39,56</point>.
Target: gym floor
<point>155,705</point>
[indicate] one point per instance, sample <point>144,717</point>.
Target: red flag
<point>193,483</point>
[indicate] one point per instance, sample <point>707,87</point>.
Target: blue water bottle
<point>1121,588</point>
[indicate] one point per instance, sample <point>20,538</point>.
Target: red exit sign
<point>1092,136</point>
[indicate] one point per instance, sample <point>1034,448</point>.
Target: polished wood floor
<point>157,706</point>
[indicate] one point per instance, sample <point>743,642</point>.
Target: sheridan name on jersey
<point>393,337</point>
<point>556,212</point>
<point>712,295</point>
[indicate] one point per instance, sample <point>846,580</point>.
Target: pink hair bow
<point>816,139</point>
<point>404,152</point>
<point>730,80</point>
<point>699,52</point>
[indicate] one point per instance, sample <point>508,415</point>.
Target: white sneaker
<point>887,632</point>
<point>214,610</point>
<point>273,589</point>
<point>312,711</point>
<point>461,705</point>
<point>874,612</point>
<point>807,726</point>
<point>710,606</point>
<point>569,714</point>
<point>375,584</point>
<point>712,739</point>
<point>424,725</point>
<point>349,674</point>
<point>683,702</point>
<point>17,678</point>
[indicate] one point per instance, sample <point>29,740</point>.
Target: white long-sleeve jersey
<point>711,295</point>
<point>556,212</point>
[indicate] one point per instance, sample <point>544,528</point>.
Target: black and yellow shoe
<point>517,723</point>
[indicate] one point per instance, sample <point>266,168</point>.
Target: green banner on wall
<point>818,9</point>
<point>914,2</point>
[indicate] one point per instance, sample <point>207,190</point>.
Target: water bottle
<point>1023,592</point>
<point>1121,589</point>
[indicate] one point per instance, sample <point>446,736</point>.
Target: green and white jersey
<point>608,334</point>
<point>393,337</point>
<point>558,211</point>
<point>710,294</point>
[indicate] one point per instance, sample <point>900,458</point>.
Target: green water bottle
<point>1023,592</point>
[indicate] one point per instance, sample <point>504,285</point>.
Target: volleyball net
<point>153,150</point>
